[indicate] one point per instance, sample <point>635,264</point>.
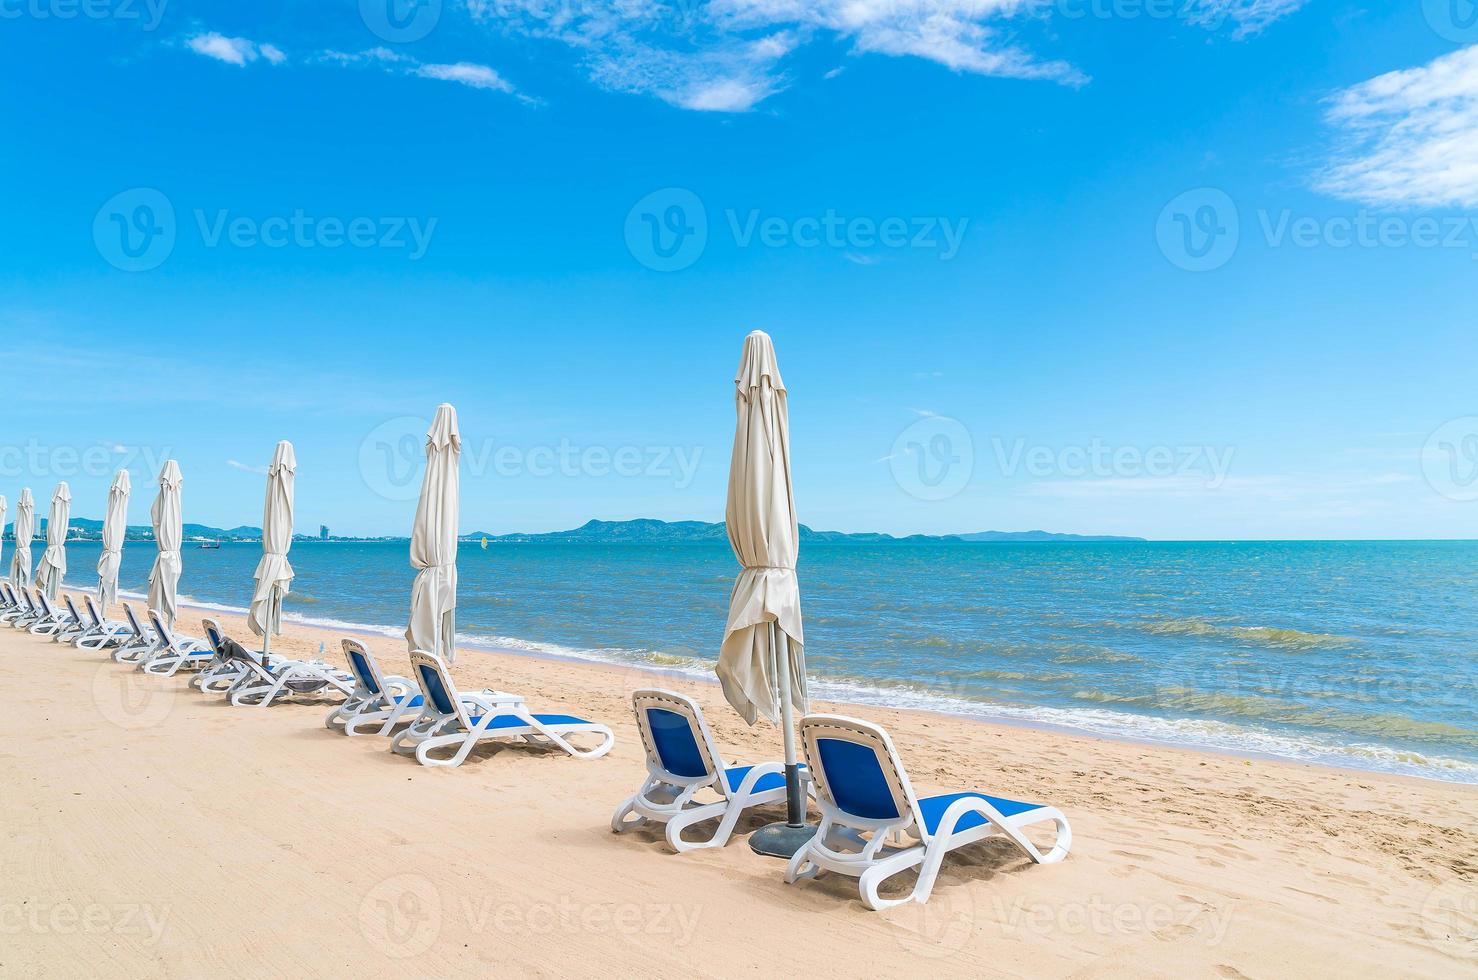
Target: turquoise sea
<point>1361,654</point>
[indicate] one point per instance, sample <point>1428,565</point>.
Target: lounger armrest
<point>491,699</point>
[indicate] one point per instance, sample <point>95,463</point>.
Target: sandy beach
<point>151,830</point>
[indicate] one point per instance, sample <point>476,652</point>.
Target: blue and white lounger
<point>682,760</point>
<point>15,608</point>
<point>462,720</point>
<point>76,624</point>
<point>174,653</point>
<point>140,645</point>
<point>101,632</point>
<point>51,621</point>
<point>378,702</point>
<point>31,612</point>
<point>862,789</point>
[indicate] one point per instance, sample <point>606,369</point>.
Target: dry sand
<point>150,830</point>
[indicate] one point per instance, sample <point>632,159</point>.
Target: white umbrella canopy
<point>762,530</point>
<point>164,577</point>
<point>434,541</point>
<point>53,565</point>
<point>115,526</point>
<point>25,526</point>
<point>274,574</point>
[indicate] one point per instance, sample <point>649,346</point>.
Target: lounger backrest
<point>44,603</point>
<point>856,769</point>
<point>362,664</point>
<point>72,608</point>
<point>213,635</point>
<point>92,611</point>
<point>133,621</point>
<point>678,744</point>
<point>166,638</point>
<point>436,684</point>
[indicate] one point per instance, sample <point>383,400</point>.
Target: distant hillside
<point>640,531</point>
<point>649,531</point>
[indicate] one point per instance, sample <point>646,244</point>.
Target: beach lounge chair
<point>223,670</point>
<point>264,682</point>
<point>30,612</point>
<point>102,632</point>
<point>453,719</point>
<point>7,600</point>
<point>51,622</point>
<point>862,788</point>
<point>378,701</point>
<point>140,645</point>
<point>174,653</point>
<point>13,609</point>
<point>76,625</point>
<point>682,759</point>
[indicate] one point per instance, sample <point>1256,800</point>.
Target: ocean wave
<point>1274,636</point>
<point>1340,744</point>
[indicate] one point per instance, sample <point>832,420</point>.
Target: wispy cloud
<point>1250,16</point>
<point>246,467</point>
<point>728,55</point>
<point>467,73</point>
<point>1409,137</point>
<point>234,50</point>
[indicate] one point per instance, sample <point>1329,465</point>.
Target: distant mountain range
<point>640,531</point>
<point>648,531</point>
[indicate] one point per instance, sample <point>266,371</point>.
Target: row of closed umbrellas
<point>761,664</point>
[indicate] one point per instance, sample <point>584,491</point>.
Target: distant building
<point>323,532</point>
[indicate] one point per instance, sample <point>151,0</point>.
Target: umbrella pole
<point>784,838</point>
<point>795,804</point>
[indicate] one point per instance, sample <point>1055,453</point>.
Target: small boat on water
<point>209,545</point>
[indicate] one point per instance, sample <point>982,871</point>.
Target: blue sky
<point>1191,269</point>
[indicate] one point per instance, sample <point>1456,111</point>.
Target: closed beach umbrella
<point>164,577</point>
<point>434,541</point>
<point>25,526</point>
<point>53,565</point>
<point>274,574</point>
<point>762,663</point>
<point>115,525</point>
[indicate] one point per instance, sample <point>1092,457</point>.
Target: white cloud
<point>726,55</point>
<point>1409,137</point>
<point>1250,16</point>
<point>234,50</point>
<point>246,467</point>
<point>471,75</point>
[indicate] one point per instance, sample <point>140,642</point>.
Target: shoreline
<point>913,698</point>
<point>1183,863</point>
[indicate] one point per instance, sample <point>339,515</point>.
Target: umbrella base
<point>780,839</point>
